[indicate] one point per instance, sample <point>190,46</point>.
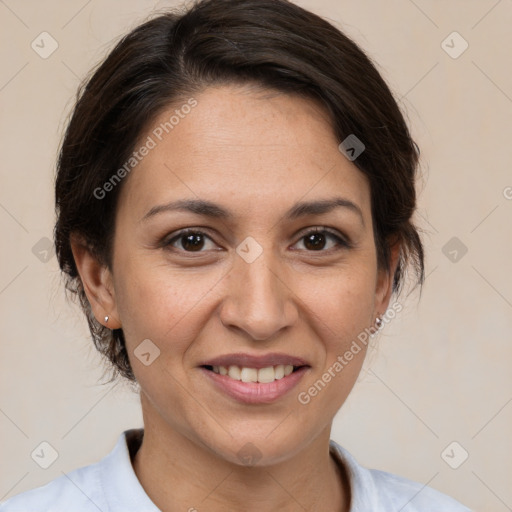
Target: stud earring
<point>378,321</point>
<point>106,319</point>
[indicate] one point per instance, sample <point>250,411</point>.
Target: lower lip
<point>256,392</point>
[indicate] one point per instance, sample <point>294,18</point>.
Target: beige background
<point>442,369</point>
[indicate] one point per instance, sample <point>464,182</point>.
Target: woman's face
<point>254,281</point>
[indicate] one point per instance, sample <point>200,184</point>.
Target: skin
<point>256,154</point>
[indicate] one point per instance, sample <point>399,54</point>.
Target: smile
<point>253,386</point>
<point>262,375</point>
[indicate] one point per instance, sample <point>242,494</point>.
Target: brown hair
<point>273,43</point>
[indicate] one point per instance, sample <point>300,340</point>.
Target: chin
<point>257,449</point>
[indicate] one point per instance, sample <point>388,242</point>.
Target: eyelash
<point>341,243</point>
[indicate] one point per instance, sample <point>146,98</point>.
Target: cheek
<point>161,304</point>
<point>341,302</point>
<point>341,311</point>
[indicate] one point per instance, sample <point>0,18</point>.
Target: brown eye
<point>317,239</point>
<point>188,241</point>
<point>193,242</point>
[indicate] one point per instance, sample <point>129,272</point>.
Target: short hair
<point>272,43</point>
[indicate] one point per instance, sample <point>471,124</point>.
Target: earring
<point>106,319</point>
<point>378,321</point>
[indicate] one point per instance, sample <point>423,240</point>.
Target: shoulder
<point>110,484</point>
<point>412,496</point>
<point>379,491</point>
<point>80,487</point>
<point>106,484</point>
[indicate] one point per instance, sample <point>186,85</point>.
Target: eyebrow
<point>209,209</point>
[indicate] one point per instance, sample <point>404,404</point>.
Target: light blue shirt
<point>111,485</point>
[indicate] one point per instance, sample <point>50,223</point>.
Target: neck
<point>178,474</point>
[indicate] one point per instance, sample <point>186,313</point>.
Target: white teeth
<point>266,374</point>
<point>249,375</point>
<point>263,375</point>
<point>234,372</point>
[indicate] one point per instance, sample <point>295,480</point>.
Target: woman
<point>234,194</point>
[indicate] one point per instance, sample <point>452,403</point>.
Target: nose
<point>258,299</point>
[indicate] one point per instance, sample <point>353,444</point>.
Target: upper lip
<point>255,361</point>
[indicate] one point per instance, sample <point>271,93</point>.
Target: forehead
<point>250,150</point>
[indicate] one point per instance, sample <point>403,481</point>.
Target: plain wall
<point>441,372</point>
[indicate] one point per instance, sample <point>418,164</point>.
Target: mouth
<point>254,385</point>
<point>261,375</point>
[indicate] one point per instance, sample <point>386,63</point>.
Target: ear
<point>384,286</point>
<point>97,282</point>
